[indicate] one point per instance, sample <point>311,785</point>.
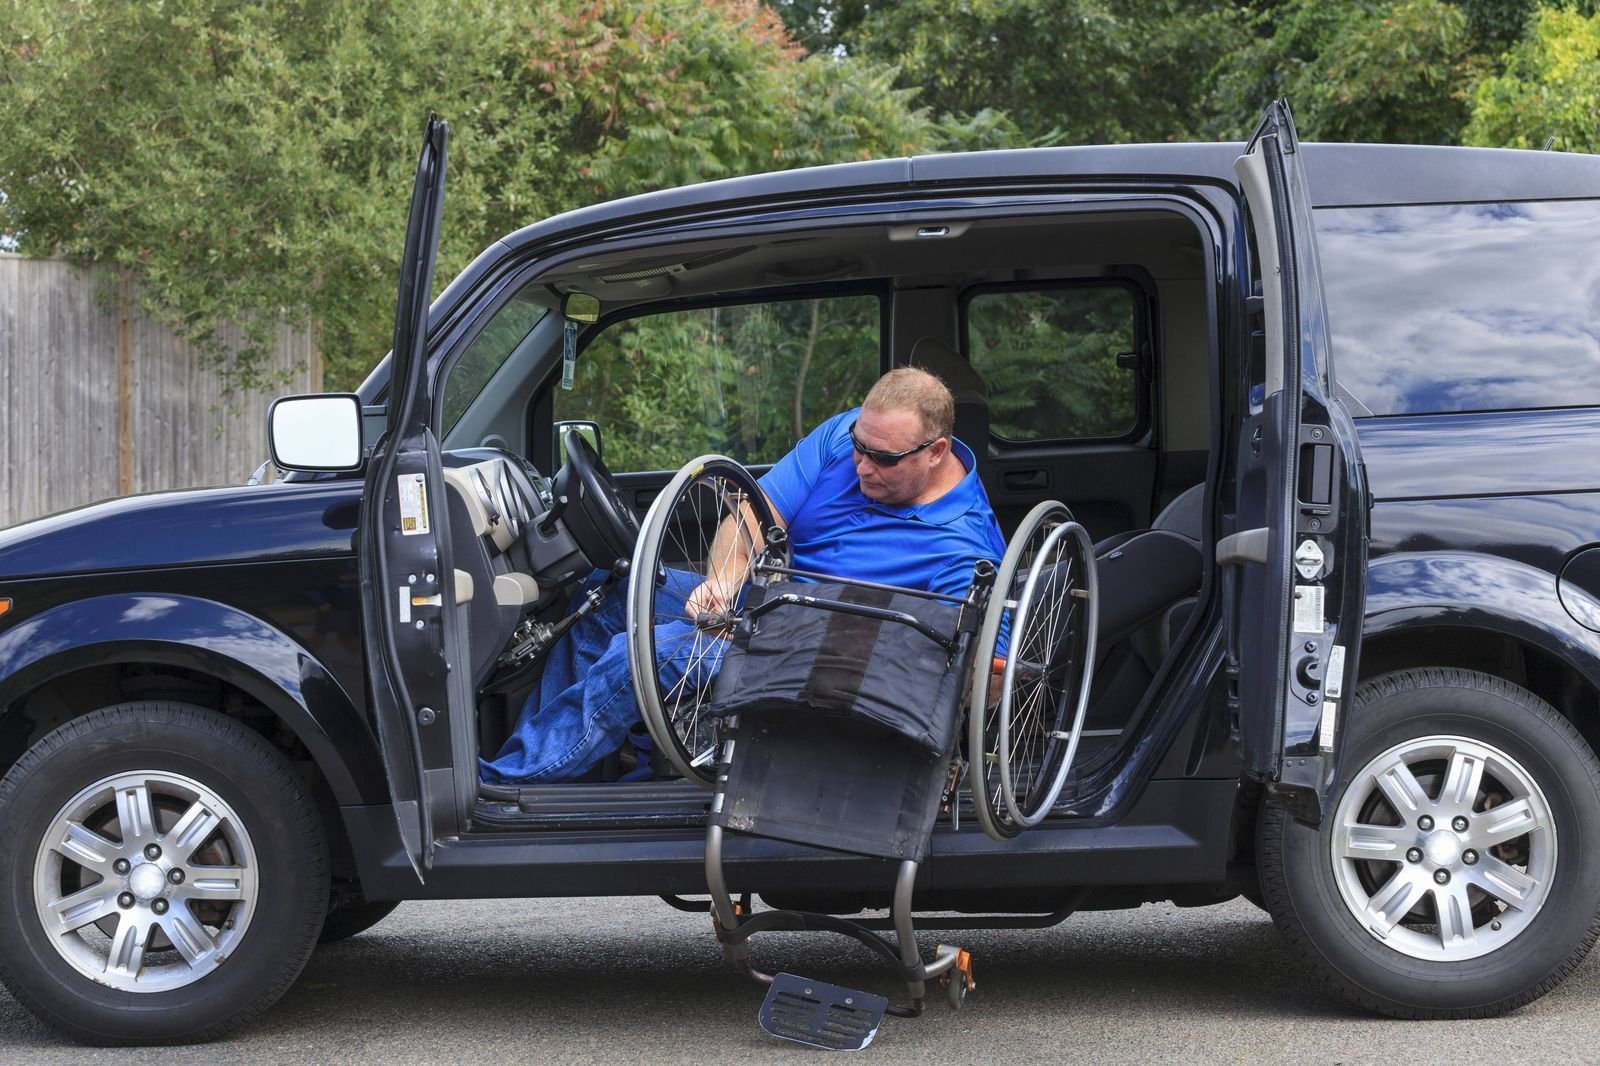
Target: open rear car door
<point>408,589</point>
<point>1295,567</point>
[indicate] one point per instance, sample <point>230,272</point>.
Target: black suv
<point>1354,387</point>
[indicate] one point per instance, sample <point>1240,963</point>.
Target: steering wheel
<point>596,513</point>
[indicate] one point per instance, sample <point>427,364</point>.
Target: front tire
<point>1456,875</point>
<point>163,875</point>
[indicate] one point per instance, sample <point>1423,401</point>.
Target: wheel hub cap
<point>1442,848</point>
<point>146,881</point>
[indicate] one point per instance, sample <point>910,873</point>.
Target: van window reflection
<point>1464,307</point>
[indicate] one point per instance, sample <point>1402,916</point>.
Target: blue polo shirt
<point>835,528</point>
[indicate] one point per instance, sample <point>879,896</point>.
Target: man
<point>883,493</point>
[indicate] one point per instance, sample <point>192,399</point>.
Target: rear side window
<point>743,380</point>
<point>1050,359</point>
<point>1464,307</point>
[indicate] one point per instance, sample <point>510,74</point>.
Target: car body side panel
<point>1482,593</point>
<point>209,638</point>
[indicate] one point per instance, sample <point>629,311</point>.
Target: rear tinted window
<point>1464,307</point>
<point>1049,358</point>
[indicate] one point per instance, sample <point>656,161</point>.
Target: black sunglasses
<point>885,458</point>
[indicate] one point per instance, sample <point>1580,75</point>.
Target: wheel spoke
<point>1392,902</point>
<point>135,814</point>
<point>128,944</point>
<point>1503,881</point>
<point>84,907</point>
<point>1462,781</point>
<point>1497,825</point>
<point>1402,789</point>
<point>1382,843</point>
<point>188,936</point>
<point>1455,916</point>
<point>87,848</point>
<point>193,829</point>
<point>224,883</point>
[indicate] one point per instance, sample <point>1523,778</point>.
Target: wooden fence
<point>97,401</point>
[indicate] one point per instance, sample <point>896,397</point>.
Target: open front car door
<point>408,592</point>
<point>1295,564</point>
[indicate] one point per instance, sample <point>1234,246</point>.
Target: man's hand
<point>713,596</point>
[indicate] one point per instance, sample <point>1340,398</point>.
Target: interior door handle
<point>1026,479</point>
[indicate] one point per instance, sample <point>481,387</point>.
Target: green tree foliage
<point>1368,70</point>
<point>1034,71</point>
<point>251,161</point>
<point>1550,88</point>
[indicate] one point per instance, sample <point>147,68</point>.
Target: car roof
<point>1338,174</point>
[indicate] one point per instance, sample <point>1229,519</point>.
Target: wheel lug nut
<point>1442,876</point>
<point>1414,855</point>
<point>1424,823</point>
<point>160,905</point>
<point>1469,857</point>
<point>175,876</point>
<point>1459,824</point>
<point>122,866</point>
<point>152,852</point>
<point>125,900</point>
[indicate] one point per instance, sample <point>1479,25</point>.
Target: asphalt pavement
<point>632,981</point>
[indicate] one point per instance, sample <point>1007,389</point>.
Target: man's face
<point>895,431</point>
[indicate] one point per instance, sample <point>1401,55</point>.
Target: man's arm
<point>738,541</point>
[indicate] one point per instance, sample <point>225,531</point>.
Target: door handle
<point>1026,479</point>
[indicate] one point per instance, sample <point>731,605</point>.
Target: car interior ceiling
<point>1151,567</point>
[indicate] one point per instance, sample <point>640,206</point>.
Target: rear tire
<point>1463,831</point>
<point>163,875</point>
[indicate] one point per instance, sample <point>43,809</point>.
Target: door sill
<point>677,804</point>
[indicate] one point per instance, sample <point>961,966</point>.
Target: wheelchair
<point>827,711</point>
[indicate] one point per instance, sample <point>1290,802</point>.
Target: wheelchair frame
<point>811,1011</point>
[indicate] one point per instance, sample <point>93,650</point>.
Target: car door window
<point>743,380</point>
<point>1049,357</point>
<point>488,352</point>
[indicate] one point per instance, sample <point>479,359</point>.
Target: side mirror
<point>315,433</point>
<point>591,430</point>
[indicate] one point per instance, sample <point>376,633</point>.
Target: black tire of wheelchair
<point>352,919</point>
<point>1343,958</point>
<point>999,828</point>
<point>689,474</point>
<point>264,791</point>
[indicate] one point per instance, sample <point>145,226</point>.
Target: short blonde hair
<point>910,388</point>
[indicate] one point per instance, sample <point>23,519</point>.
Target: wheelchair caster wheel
<point>957,980</point>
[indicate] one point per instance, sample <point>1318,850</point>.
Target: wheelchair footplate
<point>821,1015</point>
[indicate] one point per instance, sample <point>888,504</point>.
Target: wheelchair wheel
<point>1021,744</point>
<point>673,659</point>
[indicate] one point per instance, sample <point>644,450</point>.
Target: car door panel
<point>1295,565</point>
<point>408,588</point>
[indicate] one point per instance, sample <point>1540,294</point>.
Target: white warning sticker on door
<point>1330,721</point>
<point>1308,608</point>
<point>413,492</point>
<point>1333,680</point>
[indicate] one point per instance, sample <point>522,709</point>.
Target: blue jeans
<point>585,702</point>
